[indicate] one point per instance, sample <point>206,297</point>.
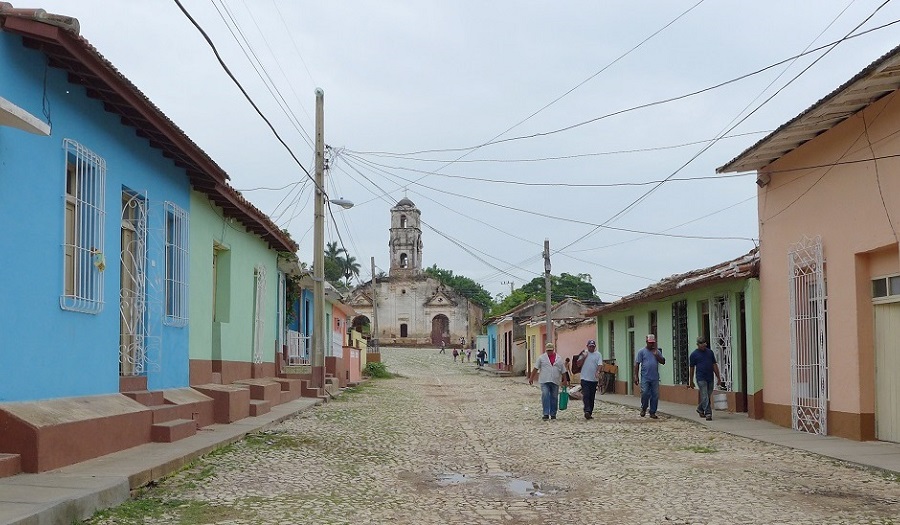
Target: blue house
<point>95,197</point>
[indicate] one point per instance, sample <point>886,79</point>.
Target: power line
<point>634,108</point>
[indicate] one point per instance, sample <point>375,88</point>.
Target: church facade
<point>413,308</point>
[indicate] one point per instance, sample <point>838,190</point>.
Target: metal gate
<point>260,314</point>
<point>721,343</point>
<point>133,285</point>
<point>680,345</point>
<point>809,356</point>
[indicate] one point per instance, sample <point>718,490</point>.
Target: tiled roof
<point>880,78</point>
<point>744,267</point>
<point>57,36</point>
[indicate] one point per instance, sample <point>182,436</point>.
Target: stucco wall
<point>230,337</point>
<point>46,352</point>
<point>852,207</point>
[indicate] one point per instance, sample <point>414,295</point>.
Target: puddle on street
<point>492,482</point>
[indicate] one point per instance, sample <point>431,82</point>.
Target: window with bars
<point>177,269</point>
<point>612,340</point>
<point>680,343</point>
<point>83,256</point>
<point>653,324</point>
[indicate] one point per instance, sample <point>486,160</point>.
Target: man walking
<point>647,361</point>
<point>590,361</point>
<point>549,370</point>
<point>704,361</point>
<point>443,346</point>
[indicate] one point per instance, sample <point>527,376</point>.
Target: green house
<point>719,303</point>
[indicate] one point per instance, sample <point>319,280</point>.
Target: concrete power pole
<point>547,286</point>
<point>318,335</point>
<point>374,339</point>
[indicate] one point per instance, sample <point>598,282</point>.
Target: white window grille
<point>298,348</point>
<point>809,351</point>
<point>84,259</point>
<point>260,313</point>
<point>721,343</point>
<point>177,269</point>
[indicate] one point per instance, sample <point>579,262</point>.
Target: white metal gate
<point>260,314</point>
<point>809,357</point>
<point>721,343</point>
<point>133,285</point>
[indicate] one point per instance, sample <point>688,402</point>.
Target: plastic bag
<point>564,398</point>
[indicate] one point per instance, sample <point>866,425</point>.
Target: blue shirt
<point>649,364</point>
<point>703,360</point>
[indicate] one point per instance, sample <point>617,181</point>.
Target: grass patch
<point>275,439</point>
<point>186,512</point>
<point>701,449</point>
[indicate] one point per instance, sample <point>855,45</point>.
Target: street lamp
<point>318,335</point>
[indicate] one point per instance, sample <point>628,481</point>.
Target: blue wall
<point>492,343</point>
<point>47,352</point>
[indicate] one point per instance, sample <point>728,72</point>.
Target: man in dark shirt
<point>703,360</point>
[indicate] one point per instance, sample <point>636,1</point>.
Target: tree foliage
<point>463,285</point>
<point>565,285</point>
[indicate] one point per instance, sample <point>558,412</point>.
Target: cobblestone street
<point>446,444</point>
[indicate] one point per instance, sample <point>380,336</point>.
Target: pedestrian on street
<point>549,370</point>
<point>590,361</point>
<point>455,354</point>
<point>468,355</point>
<point>704,361</point>
<point>482,357</point>
<point>443,345</point>
<point>647,361</point>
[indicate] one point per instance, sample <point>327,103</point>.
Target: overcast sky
<point>404,77</point>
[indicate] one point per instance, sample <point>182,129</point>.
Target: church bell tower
<point>406,240</point>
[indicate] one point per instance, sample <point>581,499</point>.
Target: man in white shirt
<point>550,370</point>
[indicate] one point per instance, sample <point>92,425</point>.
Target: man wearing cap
<point>550,370</point>
<point>704,361</point>
<point>590,360</point>
<point>647,361</point>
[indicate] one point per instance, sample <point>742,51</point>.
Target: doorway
<point>887,362</point>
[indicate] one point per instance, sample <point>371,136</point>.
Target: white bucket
<point>720,400</point>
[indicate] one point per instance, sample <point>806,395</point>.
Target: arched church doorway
<point>440,329</point>
<point>362,325</point>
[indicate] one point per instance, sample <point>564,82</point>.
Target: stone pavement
<point>446,444</point>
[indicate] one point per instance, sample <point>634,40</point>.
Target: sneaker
<point>552,417</point>
<point>701,413</point>
<point>709,418</point>
<point>643,412</point>
<point>545,418</point>
<point>587,415</point>
<point>654,416</point>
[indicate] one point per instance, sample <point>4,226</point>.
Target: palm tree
<point>332,251</point>
<point>350,267</point>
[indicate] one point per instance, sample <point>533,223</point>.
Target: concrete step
<point>264,389</point>
<point>163,413</point>
<point>146,397</point>
<point>174,430</point>
<point>231,402</point>
<point>10,465</point>
<point>259,407</point>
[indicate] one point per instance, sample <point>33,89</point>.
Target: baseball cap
<point>591,342</point>
<point>651,338</point>
<point>549,346</point>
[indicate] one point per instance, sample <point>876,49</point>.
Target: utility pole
<point>511,285</point>
<point>318,336</point>
<point>374,339</point>
<point>547,286</point>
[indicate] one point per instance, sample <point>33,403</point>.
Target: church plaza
<point>446,444</point>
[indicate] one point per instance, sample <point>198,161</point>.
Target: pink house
<point>829,214</point>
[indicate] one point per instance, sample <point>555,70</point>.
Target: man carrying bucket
<point>704,361</point>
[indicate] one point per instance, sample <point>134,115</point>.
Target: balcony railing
<point>298,348</point>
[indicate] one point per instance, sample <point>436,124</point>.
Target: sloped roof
<point>875,81</point>
<point>57,36</point>
<point>744,267</point>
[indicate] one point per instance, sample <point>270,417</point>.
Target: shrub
<point>377,370</point>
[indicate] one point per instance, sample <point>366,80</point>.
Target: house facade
<point>115,304</point>
<point>719,303</point>
<point>829,209</point>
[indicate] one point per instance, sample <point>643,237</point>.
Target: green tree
<point>566,285</point>
<point>463,285</point>
<point>350,267</point>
